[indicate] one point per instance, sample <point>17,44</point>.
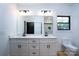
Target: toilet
<point>69,49</point>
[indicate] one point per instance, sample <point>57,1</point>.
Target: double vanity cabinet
<point>33,46</point>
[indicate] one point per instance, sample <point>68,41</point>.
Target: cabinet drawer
<point>53,41</point>
<point>17,40</point>
<point>33,41</point>
<point>24,41</point>
<point>34,52</point>
<point>33,46</point>
<point>44,40</point>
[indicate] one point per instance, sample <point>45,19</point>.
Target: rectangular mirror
<point>34,24</point>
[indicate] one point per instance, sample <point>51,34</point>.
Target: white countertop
<point>32,36</point>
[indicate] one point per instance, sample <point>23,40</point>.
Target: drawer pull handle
<point>33,53</point>
<point>48,46</point>
<point>33,41</point>
<point>19,46</point>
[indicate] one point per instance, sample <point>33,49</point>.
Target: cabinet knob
<point>19,46</point>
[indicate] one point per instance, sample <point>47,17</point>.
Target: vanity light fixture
<point>24,12</point>
<point>46,12</point>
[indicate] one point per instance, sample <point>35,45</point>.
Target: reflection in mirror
<point>38,28</point>
<point>28,27</point>
<point>32,27</point>
<point>48,24</point>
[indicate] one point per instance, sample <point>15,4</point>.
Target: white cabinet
<point>47,47</point>
<point>18,47</point>
<point>52,50</point>
<point>33,46</point>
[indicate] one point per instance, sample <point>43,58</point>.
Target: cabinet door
<point>43,49</point>
<point>14,50</point>
<point>52,50</point>
<point>54,46</point>
<point>18,49</point>
<point>24,49</point>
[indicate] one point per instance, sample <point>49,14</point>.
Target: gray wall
<point>7,25</point>
<point>75,24</point>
